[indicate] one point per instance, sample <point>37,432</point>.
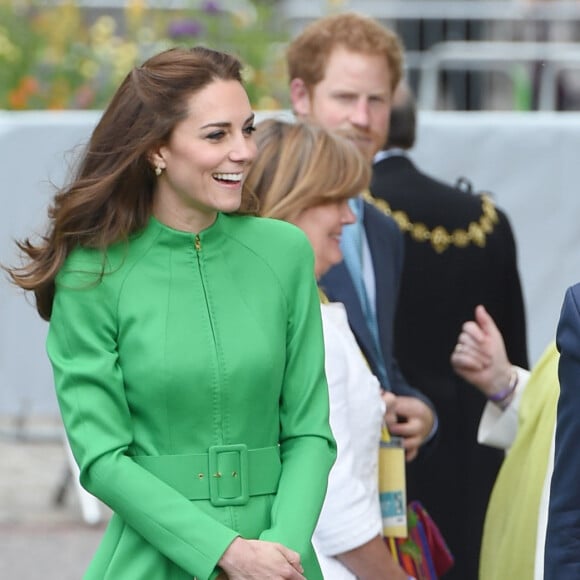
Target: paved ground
<point>40,538</point>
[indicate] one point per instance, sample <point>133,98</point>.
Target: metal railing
<point>301,11</point>
<point>505,57</point>
<point>432,30</point>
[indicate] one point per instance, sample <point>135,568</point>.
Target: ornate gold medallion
<point>475,233</point>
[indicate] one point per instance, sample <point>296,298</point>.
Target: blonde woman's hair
<point>302,165</point>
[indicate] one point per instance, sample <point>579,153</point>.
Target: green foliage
<point>63,56</point>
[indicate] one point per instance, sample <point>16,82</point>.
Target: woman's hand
<point>480,356</point>
<point>372,561</point>
<point>260,560</point>
<point>409,418</point>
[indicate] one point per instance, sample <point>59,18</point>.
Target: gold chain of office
<point>475,233</point>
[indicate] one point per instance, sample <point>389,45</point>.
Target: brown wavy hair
<point>301,165</point>
<point>308,54</point>
<point>111,195</point>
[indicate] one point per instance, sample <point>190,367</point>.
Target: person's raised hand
<point>480,356</point>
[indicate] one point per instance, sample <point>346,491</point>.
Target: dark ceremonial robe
<point>459,252</point>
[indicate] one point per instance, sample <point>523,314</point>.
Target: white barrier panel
<point>36,149</point>
<point>529,161</point>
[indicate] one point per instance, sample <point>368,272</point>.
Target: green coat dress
<point>188,359</point>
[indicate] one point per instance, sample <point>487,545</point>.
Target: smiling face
<point>353,98</point>
<point>206,159</point>
<point>322,224</point>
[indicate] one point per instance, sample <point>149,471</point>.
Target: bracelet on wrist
<point>502,395</point>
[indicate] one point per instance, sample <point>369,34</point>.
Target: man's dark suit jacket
<point>444,278</point>
<point>387,250</point>
<point>562,555</point>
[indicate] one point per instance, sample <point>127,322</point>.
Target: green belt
<point>226,474</point>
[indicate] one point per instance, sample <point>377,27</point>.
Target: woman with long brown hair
<point>185,337</point>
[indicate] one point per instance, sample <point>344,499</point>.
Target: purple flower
<point>211,7</point>
<point>185,28</point>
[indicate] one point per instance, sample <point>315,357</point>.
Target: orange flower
<point>17,99</point>
<point>29,85</point>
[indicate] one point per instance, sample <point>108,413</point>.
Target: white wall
<point>33,153</point>
<point>529,161</point>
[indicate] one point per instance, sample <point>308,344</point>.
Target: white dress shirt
<point>351,514</point>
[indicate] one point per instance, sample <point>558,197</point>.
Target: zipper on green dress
<point>197,246</point>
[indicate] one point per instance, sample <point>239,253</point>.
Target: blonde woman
<point>305,175</point>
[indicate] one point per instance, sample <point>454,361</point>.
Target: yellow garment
<point>509,537</point>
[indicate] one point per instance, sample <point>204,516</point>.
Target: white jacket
<point>351,514</point>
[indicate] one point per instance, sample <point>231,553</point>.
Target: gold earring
<point>158,170</point>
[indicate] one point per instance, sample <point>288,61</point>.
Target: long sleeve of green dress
<point>187,342</point>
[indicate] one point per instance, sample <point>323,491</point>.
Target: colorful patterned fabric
<point>424,553</point>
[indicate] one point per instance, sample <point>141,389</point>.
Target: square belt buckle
<point>228,474</point>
